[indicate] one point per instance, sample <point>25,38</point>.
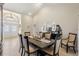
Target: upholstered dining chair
<point>70,41</point>
<point>29,49</point>
<point>53,51</point>
<point>47,35</point>
<point>27,33</point>
<point>0,48</point>
<point>41,34</point>
<point>21,44</point>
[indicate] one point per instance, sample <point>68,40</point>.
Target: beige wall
<point>65,16</point>
<point>26,23</point>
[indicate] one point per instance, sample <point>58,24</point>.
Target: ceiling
<point>25,8</point>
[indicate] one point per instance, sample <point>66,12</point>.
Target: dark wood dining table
<point>39,44</point>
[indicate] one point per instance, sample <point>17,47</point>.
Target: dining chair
<point>53,51</point>
<point>70,41</point>
<point>47,35</point>
<point>41,34</point>
<point>29,49</point>
<point>0,48</point>
<point>27,33</point>
<point>21,44</point>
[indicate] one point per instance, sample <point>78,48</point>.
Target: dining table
<point>41,43</point>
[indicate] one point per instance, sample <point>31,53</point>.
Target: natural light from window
<point>11,23</point>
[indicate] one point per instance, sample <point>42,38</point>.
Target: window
<point>11,23</point>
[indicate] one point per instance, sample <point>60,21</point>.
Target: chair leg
<point>37,53</point>
<point>28,54</point>
<point>74,49</point>
<point>57,54</point>
<point>19,49</point>
<point>67,48</point>
<point>61,45</point>
<point>22,52</point>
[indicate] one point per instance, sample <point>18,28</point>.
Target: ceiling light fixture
<point>29,13</point>
<point>38,4</point>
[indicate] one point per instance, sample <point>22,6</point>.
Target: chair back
<point>72,37</point>
<point>21,40</point>
<point>27,33</point>
<point>47,35</point>
<point>57,45</point>
<point>41,34</point>
<point>26,43</point>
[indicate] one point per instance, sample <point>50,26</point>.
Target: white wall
<point>26,23</point>
<point>78,37</point>
<point>65,16</point>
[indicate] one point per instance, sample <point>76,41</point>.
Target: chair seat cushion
<point>64,41</point>
<point>70,44</point>
<point>32,49</point>
<point>47,35</point>
<point>48,50</point>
